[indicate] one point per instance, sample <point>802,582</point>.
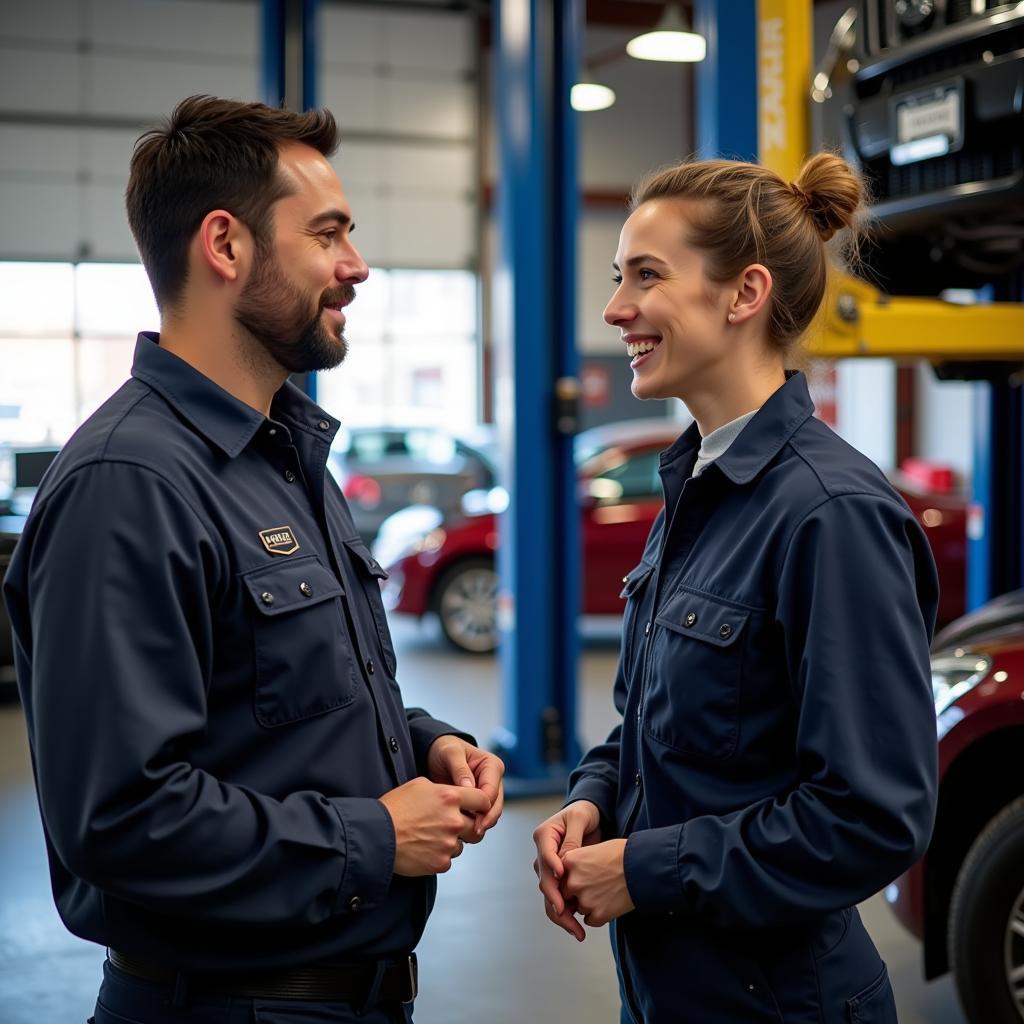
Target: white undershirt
<point>716,443</point>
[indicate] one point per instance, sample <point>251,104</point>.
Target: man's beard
<point>274,312</point>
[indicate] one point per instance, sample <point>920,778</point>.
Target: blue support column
<point>289,75</point>
<point>536,389</point>
<point>727,79</point>
<point>979,529</point>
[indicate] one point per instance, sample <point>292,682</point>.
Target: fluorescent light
<point>591,96</point>
<point>671,39</point>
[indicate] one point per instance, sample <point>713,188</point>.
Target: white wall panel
<point>218,30</point>
<point>148,89</point>
<point>429,106</point>
<point>50,21</point>
<point>30,151</point>
<point>442,42</point>
<point>944,420</point>
<point>430,233</point>
<point>352,37</point>
<point>598,239</point>
<point>39,80</point>
<point>355,98</point>
<point>39,220</point>
<point>105,224</point>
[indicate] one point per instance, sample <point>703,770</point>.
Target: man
<point>235,801</point>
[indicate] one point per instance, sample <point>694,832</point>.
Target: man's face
<point>292,302</point>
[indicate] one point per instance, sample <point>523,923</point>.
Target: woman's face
<point>673,321</point>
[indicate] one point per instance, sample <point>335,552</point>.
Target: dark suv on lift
<point>931,111</point>
<point>929,99</point>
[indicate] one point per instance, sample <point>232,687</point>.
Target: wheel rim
<point>469,609</point>
<point>1013,952</point>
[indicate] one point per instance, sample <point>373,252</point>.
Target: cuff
<point>651,867</point>
<point>369,842</point>
<point>424,730</point>
<point>598,793</point>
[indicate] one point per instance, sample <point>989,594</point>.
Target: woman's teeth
<point>639,348</point>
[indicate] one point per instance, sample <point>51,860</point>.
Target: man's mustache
<point>346,293</point>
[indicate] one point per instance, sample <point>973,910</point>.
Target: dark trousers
<point>124,999</point>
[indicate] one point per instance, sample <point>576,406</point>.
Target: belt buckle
<point>414,985</point>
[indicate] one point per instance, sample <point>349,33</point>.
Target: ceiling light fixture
<point>671,39</point>
<point>589,95</point>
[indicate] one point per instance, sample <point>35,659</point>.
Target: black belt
<point>342,983</point>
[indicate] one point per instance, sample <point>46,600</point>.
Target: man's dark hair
<point>211,154</point>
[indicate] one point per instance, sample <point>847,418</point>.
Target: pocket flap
<point>288,586</point>
<point>704,617</point>
<point>362,554</point>
<point>635,578</point>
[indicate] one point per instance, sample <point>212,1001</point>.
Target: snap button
<point>393,744</point>
<point>306,589</point>
<point>725,631</point>
<point>355,903</point>
<point>289,476</point>
<point>369,666</point>
<point>647,629</point>
<point>638,779</point>
<point>691,618</point>
<point>272,432</point>
<point>267,598</point>
<point>625,579</point>
<point>324,425</point>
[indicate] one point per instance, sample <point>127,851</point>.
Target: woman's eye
<point>644,274</point>
<point>616,280</point>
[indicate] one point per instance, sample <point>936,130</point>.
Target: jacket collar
<point>220,417</point>
<point>762,438</point>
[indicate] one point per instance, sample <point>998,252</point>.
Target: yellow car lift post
<point>858,319</point>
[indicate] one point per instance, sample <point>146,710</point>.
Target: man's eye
<point>329,235</point>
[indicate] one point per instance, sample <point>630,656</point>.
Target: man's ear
<point>752,292</point>
<point>224,245</point>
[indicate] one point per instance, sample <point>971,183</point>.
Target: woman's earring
<point>732,316</point>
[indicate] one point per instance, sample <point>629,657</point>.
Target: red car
<point>965,898</point>
<point>446,565</point>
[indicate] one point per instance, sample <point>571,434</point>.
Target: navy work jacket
<point>777,758</point>
<point>209,685</point>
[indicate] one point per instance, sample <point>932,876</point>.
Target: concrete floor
<point>488,954</point>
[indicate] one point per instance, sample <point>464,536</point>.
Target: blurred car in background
<point>443,562</point>
<point>965,898</point>
<point>383,469</point>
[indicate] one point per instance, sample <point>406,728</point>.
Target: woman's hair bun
<point>831,190</point>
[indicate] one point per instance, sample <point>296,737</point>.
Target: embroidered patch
<point>279,540</point>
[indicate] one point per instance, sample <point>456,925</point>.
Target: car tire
<point>466,602</point>
<point>986,922</point>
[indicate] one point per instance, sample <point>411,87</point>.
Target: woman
<point>776,762</point>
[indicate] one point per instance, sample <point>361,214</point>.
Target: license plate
<point>928,123</point>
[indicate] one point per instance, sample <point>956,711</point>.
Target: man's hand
<point>568,830</point>
<point>428,821</point>
<point>596,880</point>
<point>453,760</point>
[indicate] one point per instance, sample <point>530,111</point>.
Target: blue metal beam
<point>727,79</point>
<point>535,364</point>
<point>288,76</point>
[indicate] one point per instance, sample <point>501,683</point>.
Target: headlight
<point>955,674</point>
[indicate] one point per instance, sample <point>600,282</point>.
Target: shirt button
<point>393,744</point>
<point>355,903</point>
<point>306,589</point>
<point>267,598</point>
<point>289,476</point>
<point>638,780</point>
<point>691,618</point>
<point>272,432</point>
<point>725,631</point>
<point>369,666</point>
<point>324,425</point>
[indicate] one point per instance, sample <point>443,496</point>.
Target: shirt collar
<point>220,417</point>
<point>762,438</point>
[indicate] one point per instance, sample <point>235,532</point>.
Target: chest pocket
<point>371,575</point>
<point>633,590</point>
<point>692,702</point>
<point>304,661</point>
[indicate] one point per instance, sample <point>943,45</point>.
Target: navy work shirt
<point>777,759</point>
<point>209,685</point>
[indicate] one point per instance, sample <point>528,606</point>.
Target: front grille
<point>994,158</point>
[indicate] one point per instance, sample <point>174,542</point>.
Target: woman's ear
<point>752,291</point>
